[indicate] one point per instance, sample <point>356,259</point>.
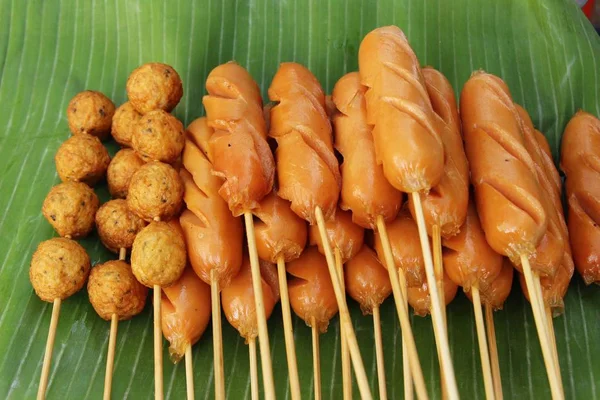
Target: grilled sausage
<point>240,153</point>
<point>212,235</point>
<point>420,301</point>
<point>554,288</point>
<point>366,280</point>
<point>343,234</point>
<point>308,171</point>
<point>407,141</point>
<point>365,190</point>
<point>506,192</point>
<point>580,162</point>
<point>497,292</point>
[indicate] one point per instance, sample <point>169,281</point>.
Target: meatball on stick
<point>371,198</point>
<point>59,268</point>
<point>241,157</point>
<point>213,235</point>
<point>408,145</point>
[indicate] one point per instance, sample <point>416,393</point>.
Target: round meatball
<point>70,208</point>
<point>158,256</point>
<point>120,170</point>
<point>154,86</point>
<point>82,158</point>
<point>117,225</point>
<point>59,268</point>
<point>155,192</point>
<point>90,112</point>
<point>158,136</point>
<point>113,289</point>
<point>123,122</point>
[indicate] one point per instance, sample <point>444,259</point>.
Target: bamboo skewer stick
<point>439,280</point>
<point>493,347</point>
<point>49,347</point>
<point>290,348</point>
<point>359,368</point>
<point>409,348</point>
<point>379,353</point>
<point>263,333</point>
<point>552,337</point>
<point>483,346</point>
<point>189,373</point>
<point>346,369</point>
<point>436,309</point>
<point>316,358</point>
<point>409,393</point>
<point>253,369</point>
<point>215,297</point>
<point>158,359</point>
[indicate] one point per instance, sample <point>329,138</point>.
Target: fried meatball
<point>90,112</point>
<point>120,170</point>
<point>158,256</point>
<point>123,122</point>
<point>154,86</point>
<point>59,268</point>
<point>158,136</point>
<point>82,158</point>
<point>155,192</point>
<point>117,226</point>
<point>113,289</point>
<point>70,208</point>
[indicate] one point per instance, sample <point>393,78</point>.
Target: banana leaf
<point>545,50</point>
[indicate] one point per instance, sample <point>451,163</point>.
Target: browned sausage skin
<point>499,289</point>
<point>342,233</point>
<point>420,300</point>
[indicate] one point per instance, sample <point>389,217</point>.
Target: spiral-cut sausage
<point>580,161</point>
<point>279,231</point>
<point>310,289</point>
<point>185,312</point>
<point>366,280</point>
<point>420,300</point>
<point>365,190</point>
<point>497,292</point>
<point>407,141</point>
<point>507,193</point>
<point>239,150</point>
<point>343,234</point>
<point>213,236</point>
<point>446,204</point>
<point>308,171</point>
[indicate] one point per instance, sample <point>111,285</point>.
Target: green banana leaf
<point>49,50</point>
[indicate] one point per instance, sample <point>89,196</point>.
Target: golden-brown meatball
<point>155,192</point>
<point>158,256</point>
<point>123,122</point>
<point>90,112</point>
<point>59,268</point>
<point>70,208</point>
<point>158,136</point>
<point>113,289</point>
<point>154,86</point>
<point>82,158</point>
<point>120,170</point>
<point>117,226</point>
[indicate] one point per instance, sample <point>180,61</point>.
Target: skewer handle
<point>158,359</point>
<point>316,358</point>
<point>122,253</point>
<point>379,354</point>
<point>491,335</point>
<point>253,369</point>
<point>483,346</point>
<point>41,395</point>
<point>552,337</point>
<point>110,357</point>
<point>346,368</point>
<point>215,300</point>
<point>189,373</point>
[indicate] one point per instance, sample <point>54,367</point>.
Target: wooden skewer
<point>158,359</point>
<point>288,331</point>
<point>189,373</point>
<point>437,317</point>
<point>541,326</point>
<point>552,337</point>
<point>316,358</point>
<point>409,393</point>
<point>263,333</point>
<point>379,354</point>
<point>346,369</point>
<point>439,279</point>
<point>408,341</point>
<point>483,346</point>
<point>215,297</point>
<point>49,347</point>
<point>340,296</point>
<point>253,368</point>
<point>494,361</point>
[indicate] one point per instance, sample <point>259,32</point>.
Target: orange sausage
<point>446,204</point>
<point>403,234</point>
<point>367,281</point>
<point>365,190</point>
<point>468,258</point>
<point>310,289</point>
<point>308,171</point>
<point>279,232</point>
<point>343,234</point>
<point>237,298</point>
<point>185,312</point>
<point>420,301</point>
<point>580,162</point>
<point>506,191</point>
<point>407,141</point>
<point>553,289</point>
<point>214,238</point>
<point>239,150</point>
<point>497,292</point>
